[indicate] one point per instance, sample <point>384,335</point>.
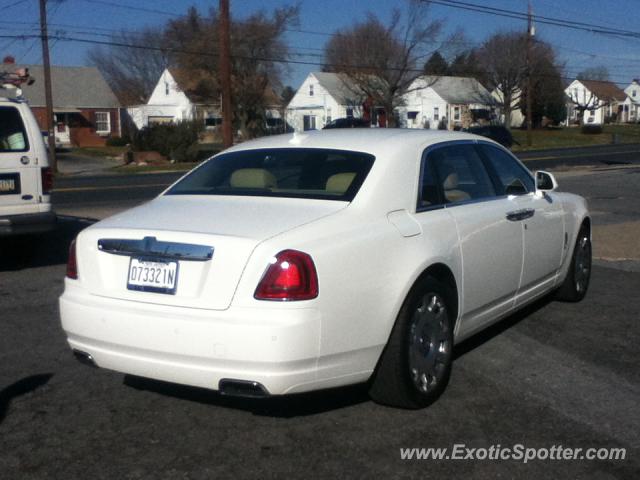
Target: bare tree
<point>257,45</point>
<point>131,70</point>
<point>382,61</point>
<point>503,61</point>
<point>589,100</point>
<point>599,73</point>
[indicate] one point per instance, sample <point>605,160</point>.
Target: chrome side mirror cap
<point>545,181</point>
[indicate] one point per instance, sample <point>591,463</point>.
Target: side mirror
<point>545,181</point>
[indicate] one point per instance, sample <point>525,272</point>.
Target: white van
<point>25,177</point>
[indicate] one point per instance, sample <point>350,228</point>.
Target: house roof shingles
<point>461,90</point>
<point>72,87</point>
<point>605,90</point>
<point>339,86</point>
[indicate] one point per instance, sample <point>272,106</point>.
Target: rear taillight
<point>47,180</point>
<point>291,275</point>
<point>72,263</point>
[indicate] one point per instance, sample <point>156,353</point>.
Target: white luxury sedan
<point>306,261</point>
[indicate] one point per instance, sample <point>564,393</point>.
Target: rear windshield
<point>290,172</point>
<point>13,137</point>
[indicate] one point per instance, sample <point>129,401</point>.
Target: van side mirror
<point>545,181</point>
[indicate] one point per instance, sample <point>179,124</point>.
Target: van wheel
<point>415,366</point>
<point>576,282</point>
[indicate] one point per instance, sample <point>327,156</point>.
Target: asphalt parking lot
<point>554,374</point>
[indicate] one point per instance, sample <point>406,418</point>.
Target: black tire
<point>576,283</point>
<point>415,366</point>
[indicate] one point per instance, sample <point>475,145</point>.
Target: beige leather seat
<point>253,178</point>
<point>451,191</point>
<point>340,182</point>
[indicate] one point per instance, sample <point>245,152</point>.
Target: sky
<point>96,19</point>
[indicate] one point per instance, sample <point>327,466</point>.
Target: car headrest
<point>253,178</point>
<point>451,181</point>
<point>340,182</point>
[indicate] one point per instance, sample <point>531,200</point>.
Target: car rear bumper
<point>277,348</point>
<point>29,223</point>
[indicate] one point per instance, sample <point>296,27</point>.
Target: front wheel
<point>415,366</point>
<point>576,282</point>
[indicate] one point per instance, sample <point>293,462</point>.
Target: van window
<point>13,136</point>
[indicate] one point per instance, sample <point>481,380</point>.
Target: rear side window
<point>454,173</point>
<point>514,179</point>
<point>286,172</point>
<point>13,136</point>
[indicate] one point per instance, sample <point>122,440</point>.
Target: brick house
<point>86,111</point>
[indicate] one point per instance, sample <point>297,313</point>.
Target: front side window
<point>286,172</point>
<point>514,179</point>
<point>311,90</point>
<point>452,174</point>
<point>103,123</point>
<point>13,136</point>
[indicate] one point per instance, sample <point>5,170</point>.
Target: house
<point>517,117</point>
<point>445,102</point>
<point>179,97</point>
<point>322,97</point>
<point>593,101</point>
<point>86,111</point>
<point>171,103</point>
<point>631,106</point>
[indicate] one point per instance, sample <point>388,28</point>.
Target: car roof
<point>376,141</point>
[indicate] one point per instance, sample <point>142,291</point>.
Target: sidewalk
<point>70,163</point>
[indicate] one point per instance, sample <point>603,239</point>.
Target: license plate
<point>152,276</point>
<point>9,184</point>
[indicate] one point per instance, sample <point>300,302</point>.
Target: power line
<point>251,58</point>
<point>557,22</point>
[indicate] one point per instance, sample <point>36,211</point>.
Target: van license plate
<point>9,184</point>
<point>152,276</point>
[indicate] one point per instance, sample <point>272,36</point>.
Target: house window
<point>436,114</point>
<point>103,122</point>
<point>311,90</point>
<point>166,88</point>
<point>212,121</point>
<point>349,112</point>
<point>328,119</point>
<point>456,113</point>
<point>633,93</point>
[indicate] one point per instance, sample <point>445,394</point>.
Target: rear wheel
<point>576,282</point>
<point>416,364</point>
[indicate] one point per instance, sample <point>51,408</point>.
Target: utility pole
<point>44,36</point>
<point>530,34</point>
<point>225,73</point>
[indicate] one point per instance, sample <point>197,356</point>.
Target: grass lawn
<point>169,167</point>
<point>573,137</point>
<point>99,151</point>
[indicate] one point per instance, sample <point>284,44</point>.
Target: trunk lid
<point>173,225</point>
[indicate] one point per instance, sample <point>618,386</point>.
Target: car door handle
<point>518,215</point>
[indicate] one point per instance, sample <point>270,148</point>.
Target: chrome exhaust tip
<point>85,358</point>
<point>242,388</point>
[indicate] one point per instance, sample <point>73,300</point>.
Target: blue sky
<point>577,50</point>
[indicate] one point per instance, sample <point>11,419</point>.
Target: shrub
<point>118,141</point>
<point>176,141</point>
<point>592,129</point>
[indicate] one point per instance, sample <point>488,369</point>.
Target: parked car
<point>348,122</point>
<point>25,177</point>
<point>302,262</point>
<point>498,133</point>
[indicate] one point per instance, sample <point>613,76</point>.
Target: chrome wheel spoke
<point>429,342</point>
